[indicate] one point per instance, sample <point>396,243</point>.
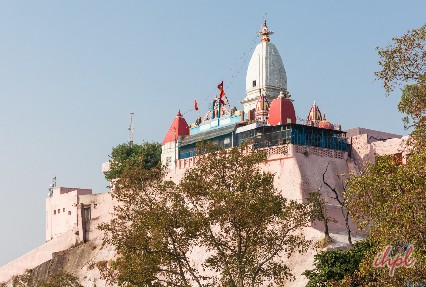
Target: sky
<point>71,72</point>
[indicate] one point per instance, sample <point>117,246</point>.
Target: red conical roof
<point>179,127</point>
<point>314,113</point>
<point>281,109</point>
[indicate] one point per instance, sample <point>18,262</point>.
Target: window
<point>63,210</point>
<point>69,212</point>
<point>254,83</point>
<point>59,210</point>
<point>54,212</point>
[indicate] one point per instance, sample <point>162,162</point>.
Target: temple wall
<point>37,256</point>
<point>301,171</point>
<point>366,147</point>
<point>298,170</point>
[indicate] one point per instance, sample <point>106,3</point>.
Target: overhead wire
<point>234,72</point>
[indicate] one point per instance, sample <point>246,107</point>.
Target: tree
<point>404,63</point>
<point>386,198</point>
<point>389,200</point>
<point>332,266</point>
<point>340,197</point>
<point>225,206</point>
<point>413,104</point>
<point>319,212</point>
<point>247,225</point>
<point>60,279</point>
<point>152,231</point>
<point>126,155</point>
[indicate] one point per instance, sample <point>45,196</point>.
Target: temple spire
<point>265,32</point>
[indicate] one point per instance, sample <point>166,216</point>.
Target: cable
<point>235,72</point>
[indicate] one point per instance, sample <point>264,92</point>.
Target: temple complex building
<point>267,118</point>
<point>302,152</point>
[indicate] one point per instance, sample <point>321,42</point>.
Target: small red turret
<point>282,111</point>
<point>179,127</point>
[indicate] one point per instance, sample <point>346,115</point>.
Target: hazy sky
<point>72,71</point>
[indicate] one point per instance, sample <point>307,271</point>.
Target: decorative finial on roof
<point>265,32</point>
<point>284,94</point>
<point>179,114</point>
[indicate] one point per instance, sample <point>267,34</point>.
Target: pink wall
<point>37,256</point>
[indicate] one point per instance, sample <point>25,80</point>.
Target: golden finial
<point>265,32</point>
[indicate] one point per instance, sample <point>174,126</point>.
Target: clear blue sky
<point>72,71</point>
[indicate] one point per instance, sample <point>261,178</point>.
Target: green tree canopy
<point>334,265</point>
<point>147,155</point>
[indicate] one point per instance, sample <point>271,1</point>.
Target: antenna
<point>131,128</point>
<point>52,186</point>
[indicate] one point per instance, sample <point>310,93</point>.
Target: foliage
<point>225,207</point>
<point>61,279</point>
<point>388,199</point>
<point>152,231</point>
<point>339,196</point>
<point>319,212</point>
<point>333,265</point>
<point>126,155</point>
<point>413,104</point>
<point>404,61</point>
<point>246,223</point>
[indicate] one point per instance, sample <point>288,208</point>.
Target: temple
<point>267,118</point>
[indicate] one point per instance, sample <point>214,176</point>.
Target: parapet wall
<point>297,171</point>
<point>37,256</point>
<point>365,148</point>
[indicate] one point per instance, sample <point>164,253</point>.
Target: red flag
<point>222,102</point>
<point>220,87</point>
<point>195,105</point>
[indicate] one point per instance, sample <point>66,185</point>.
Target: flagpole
<point>175,148</point>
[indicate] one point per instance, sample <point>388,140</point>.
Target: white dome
<point>265,74</point>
